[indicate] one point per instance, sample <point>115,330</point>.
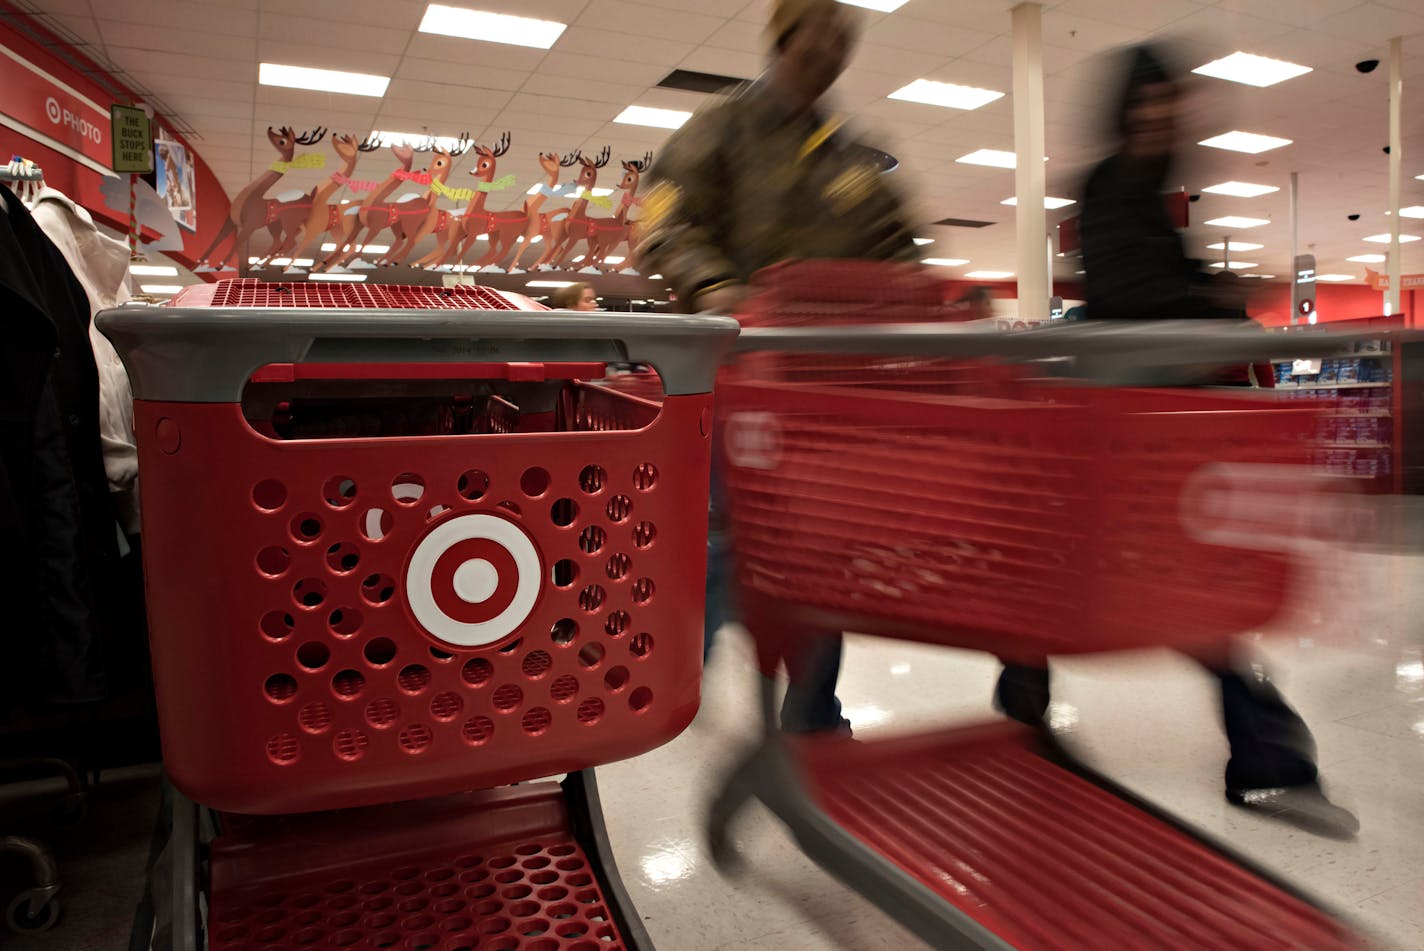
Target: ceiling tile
<point>181,15</point>
<point>202,43</point>
<point>594,41</point>
<point>459,53</point>
<point>609,69</point>
<point>398,16</point>
<point>583,90</point>
<point>649,21</point>
<point>291,52</point>
<point>708,59</point>
<point>473,79</point>
<point>924,36</point>
<point>356,39</point>
<point>1133,14</point>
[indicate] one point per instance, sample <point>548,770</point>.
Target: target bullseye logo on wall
<point>473,579</point>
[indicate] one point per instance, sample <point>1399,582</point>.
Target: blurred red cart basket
<point>1048,518</point>
<point>490,577</point>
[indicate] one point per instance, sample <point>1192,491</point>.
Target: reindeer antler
<point>463,145</point>
<point>371,143</point>
<point>571,159</point>
<point>501,146</point>
<point>427,146</point>
<point>312,137</point>
<point>603,157</point>
<point>639,166</point>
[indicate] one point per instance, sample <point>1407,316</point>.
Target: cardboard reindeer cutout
<point>249,210</point>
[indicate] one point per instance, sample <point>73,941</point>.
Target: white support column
<point>1396,159</point>
<point>1030,220</point>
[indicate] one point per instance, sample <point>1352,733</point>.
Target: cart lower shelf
<point>1041,856</point>
<point>498,871</point>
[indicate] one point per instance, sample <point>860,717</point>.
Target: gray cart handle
<point>206,355</point>
<point>1103,344</point>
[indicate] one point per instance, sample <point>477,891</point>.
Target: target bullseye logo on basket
<point>474,579</point>
<point>753,440</point>
<point>1269,507</point>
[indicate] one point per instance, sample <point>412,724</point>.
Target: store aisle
<point>1149,720</point>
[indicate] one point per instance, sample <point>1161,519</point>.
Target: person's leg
<point>1022,693</point>
<point>715,612</point>
<point>1272,766</point>
<point>1270,744</point>
<point>811,705</point>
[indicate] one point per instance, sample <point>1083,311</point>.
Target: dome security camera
<point>1194,198</point>
<point>1354,217</point>
<point>1366,65</point>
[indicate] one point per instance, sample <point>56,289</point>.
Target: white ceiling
<point>201,56</point>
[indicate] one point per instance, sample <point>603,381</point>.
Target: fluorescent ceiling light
<point>160,288</point>
<point>549,284</point>
<point>1240,189</point>
<point>1049,203</point>
<point>1236,221</point>
<point>418,139</point>
<point>1235,246</point>
<point>613,259</point>
<point>657,118</point>
<point>990,275</point>
<point>153,270</point>
<point>881,6</point>
<point>1369,258</point>
<point>1384,238</point>
<point>945,262</point>
<point>924,241</point>
<point>490,27</point>
<point>1252,70</point>
<point>995,158</point>
<point>372,248</point>
<point>336,277</point>
<point>322,80</point>
<point>1335,278</point>
<point>1251,143</point>
<point>1413,211</point>
<point>949,95</point>
<point>1235,265</point>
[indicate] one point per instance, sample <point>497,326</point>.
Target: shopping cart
<point>357,618</point>
<point>1059,515</point>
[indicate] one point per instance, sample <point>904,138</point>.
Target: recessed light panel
<point>1252,143</point>
<point>490,27</point>
<point>1235,221</point>
<point>948,95</point>
<point>1240,189</point>
<point>322,80</point>
<point>1252,70</point>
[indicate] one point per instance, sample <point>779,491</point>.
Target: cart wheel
<point>21,919</point>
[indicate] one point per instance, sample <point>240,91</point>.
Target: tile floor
<point>1350,661</point>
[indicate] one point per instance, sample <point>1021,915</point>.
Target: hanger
<point>26,175</point>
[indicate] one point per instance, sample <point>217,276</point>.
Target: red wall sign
<point>52,109</point>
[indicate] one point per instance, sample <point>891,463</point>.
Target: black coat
<point>58,540</point>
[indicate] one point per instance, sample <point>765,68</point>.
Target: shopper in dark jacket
<point>1137,268</point>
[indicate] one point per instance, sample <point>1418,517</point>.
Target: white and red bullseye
<point>473,580</point>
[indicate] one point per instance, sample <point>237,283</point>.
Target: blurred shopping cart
<point>398,548</point>
<point>873,487</point>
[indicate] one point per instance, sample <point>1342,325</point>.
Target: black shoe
<point>1304,806</point>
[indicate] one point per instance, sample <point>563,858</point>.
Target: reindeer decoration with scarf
<point>605,234</point>
<point>296,225</point>
<point>374,214</point>
<point>414,220</point>
<point>249,210</point>
<point>564,229</point>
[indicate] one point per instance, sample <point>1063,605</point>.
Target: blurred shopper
<point>762,177</point>
<point>977,303</point>
<point>1137,268</point>
<point>574,297</point>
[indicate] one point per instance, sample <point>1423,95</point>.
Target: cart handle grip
<point>207,354</point>
<point>1155,343</point>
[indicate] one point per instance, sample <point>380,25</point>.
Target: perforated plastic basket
<point>1082,519</point>
<point>342,621</point>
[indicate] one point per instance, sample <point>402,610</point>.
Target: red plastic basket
<point>1027,527</point>
<point>1042,857</point>
<point>250,292</point>
<point>497,871</point>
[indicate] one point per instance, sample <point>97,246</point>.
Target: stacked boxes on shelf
<point>1357,437</point>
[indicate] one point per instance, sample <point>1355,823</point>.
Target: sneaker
<point>1305,807</point>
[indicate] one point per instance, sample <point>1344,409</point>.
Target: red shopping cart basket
<point>1045,518</point>
<point>347,620</point>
